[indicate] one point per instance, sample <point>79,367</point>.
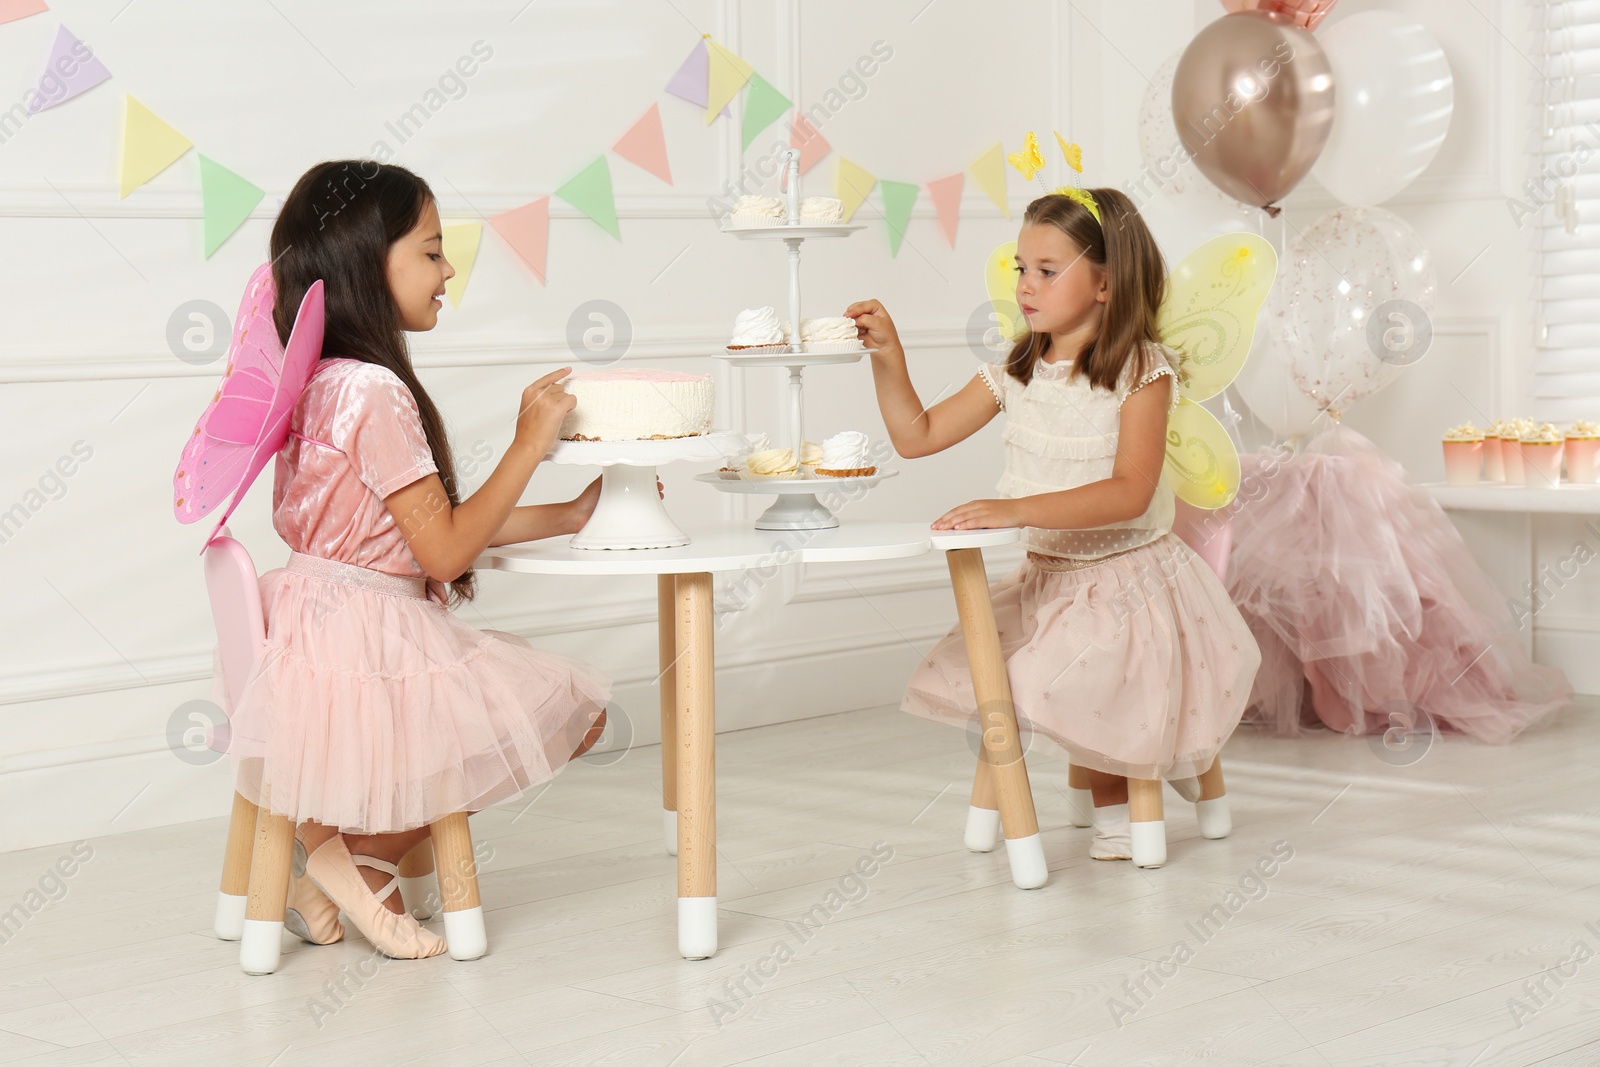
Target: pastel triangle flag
<point>726,74</point>
<point>806,137</point>
<point>851,184</point>
<point>527,230</point>
<point>762,107</point>
<point>459,244</point>
<point>70,69</point>
<point>590,193</point>
<point>691,81</point>
<point>898,198</point>
<point>989,170</point>
<point>946,194</point>
<point>149,145</point>
<point>12,10</point>
<point>645,146</point>
<point>227,201</point>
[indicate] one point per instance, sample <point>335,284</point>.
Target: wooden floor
<point>1430,911</point>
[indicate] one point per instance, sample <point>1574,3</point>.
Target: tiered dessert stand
<point>797,506</point>
<point>630,513</point>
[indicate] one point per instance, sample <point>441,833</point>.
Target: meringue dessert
<point>637,405</point>
<point>821,211</point>
<point>834,333</point>
<point>845,455</point>
<point>748,211</point>
<point>769,464</point>
<point>757,331</point>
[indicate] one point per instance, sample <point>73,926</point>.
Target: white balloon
<point>1182,223</point>
<point>1394,97</point>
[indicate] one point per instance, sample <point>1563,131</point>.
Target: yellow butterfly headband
<point>1029,162</point>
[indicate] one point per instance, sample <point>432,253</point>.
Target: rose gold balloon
<point>1253,103</point>
<point>1307,14</point>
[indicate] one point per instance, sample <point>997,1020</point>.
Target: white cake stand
<point>630,513</point>
<point>797,506</point>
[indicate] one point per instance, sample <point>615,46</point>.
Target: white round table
<point>687,655</point>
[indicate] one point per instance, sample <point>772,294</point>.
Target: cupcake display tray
<point>797,506</point>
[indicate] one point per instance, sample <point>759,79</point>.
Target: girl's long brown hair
<point>1123,246</point>
<point>337,225</point>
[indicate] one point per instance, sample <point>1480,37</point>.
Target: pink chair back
<point>235,594</point>
<point>1209,533</point>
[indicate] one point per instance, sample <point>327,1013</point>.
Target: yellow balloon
<point>1209,314</point>
<point>1202,464</point>
<point>1000,279</point>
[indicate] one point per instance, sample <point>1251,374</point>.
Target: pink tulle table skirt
<point>1138,665</point>
<point>1370,610</point>
<point>377,713</point>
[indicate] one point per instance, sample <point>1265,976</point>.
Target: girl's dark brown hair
<point>1121,244</point>
<point>338,224</point>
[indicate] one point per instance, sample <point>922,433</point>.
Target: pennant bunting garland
<point>527,230</point>
<point>762,107</point>
<point>898,198</point>
<point>590,193</point>
<point>69,70</point>
<point>806,137</point>
<point>726,75</point>
<point>227,201</point>
<point>460,247</point>
<point>946,196</point>
<point>645,146</point>
<point>989,171</point>
<point>12,10</point>
<point>149,146</point>
<point>851,184</point>
<point>692,80</point>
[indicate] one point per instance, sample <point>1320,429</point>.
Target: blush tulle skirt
<point>377,713</point>
<point>1138,665</point>
<point>1369,609</point>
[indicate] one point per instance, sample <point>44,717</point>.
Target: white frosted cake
<point>637,405</point>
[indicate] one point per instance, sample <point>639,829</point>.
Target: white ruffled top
<point>1061,433</point>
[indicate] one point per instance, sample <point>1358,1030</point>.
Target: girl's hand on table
<point>981,515</point>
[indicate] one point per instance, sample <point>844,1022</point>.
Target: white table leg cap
<point>1080,806</point>
<point>697,927</point>
<point>229,923</point>
<point>1026,854</point>
<point>260,943</point>
<point>421,896</point>
<point>464,933</point>
<point>1214,817</point>
<point>1149,843</point>
<point>983,829</point>
<point>669,830</point>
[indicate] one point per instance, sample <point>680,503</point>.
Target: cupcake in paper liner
<point>753,212</point>
<point>830,334</point>
<point>821,211</point>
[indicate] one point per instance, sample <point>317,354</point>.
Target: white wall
<point>106,626</point>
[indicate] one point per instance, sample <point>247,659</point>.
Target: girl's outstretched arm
<point>1141,448</point>
<point>447,539</point>
<point>914,430</point>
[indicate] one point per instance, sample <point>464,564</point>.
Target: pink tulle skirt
<point>1370,610</point>
<point>377,713</point>
<point>1138,665</point>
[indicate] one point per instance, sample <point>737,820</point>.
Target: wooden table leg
<point>697,768</point>
<point>456,868</point>
<point>983,811</point>
<point>1002,743</point>
<point>235,888</point>
<point>1211,810</point>
<point>1147,823</point>
<point>667,657</point>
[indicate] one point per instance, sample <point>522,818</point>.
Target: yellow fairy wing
<point>1029,161</point>
<point>1209,314</point>
<point>1202,466</point>
<point>1000,279</point>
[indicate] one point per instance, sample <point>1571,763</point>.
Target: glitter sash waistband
<point>331,570</point>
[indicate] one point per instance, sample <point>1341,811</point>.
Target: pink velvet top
<point>328,501</point>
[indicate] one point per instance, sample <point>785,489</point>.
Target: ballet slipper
<point>309,914</point>
<point>591,738</point>
<point>397,936</point>
<point>1113,837</point>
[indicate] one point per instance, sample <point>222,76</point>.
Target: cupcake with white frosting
<point>749,212</point>
<point>821,211</point>
<point>834,333</point>
<point>1463,454</point>
<point>845,455</point>
<point>757,332</point>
